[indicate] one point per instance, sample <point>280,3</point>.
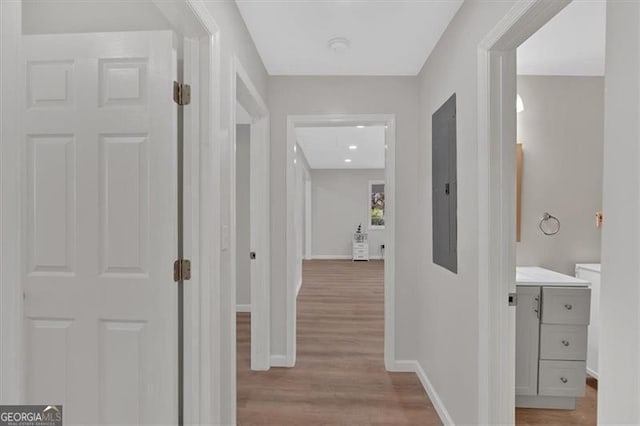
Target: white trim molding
<point>251,100</point>
<point>308,218</point>
<point>389,121</point>
<point>496,200</point>
<point>412,366</point>
<point>245,307</point>
<point>12,360</point>
<point>331,257</point>
<point>279,361</point>
<point>340,257</point>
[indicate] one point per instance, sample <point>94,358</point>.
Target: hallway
<point>339,376</point>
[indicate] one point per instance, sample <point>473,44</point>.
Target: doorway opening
<point>340,290</point>
<point>309,231</point>
<point>558,231</point>
<point>558,305</point>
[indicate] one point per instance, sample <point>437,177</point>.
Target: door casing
<point>259,217</point>
<point>389,121</point>
<point>497,201</point>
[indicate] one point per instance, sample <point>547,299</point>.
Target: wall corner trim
<point>415,367</point>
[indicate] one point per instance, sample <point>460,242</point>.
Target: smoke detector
<point>339,44</point>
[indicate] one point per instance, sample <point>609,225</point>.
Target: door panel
<point>51,182</point>
<point>100,130</point>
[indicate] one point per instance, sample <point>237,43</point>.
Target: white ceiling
<point>572,43</point>
<point>387,37</point>
<point>328,147</point>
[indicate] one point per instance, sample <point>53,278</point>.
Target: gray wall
<point>447,320</point>
<point>340,202</point>
<point>243,217</point>
<point>561,129</point>
<point>349,95</point>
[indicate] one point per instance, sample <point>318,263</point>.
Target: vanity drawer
<point>562,378</point>
<point>565,305</point>
<point>563,342</point>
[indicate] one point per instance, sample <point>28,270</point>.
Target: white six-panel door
<point>100,227</point>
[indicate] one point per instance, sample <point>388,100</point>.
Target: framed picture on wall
<point>376,204</point>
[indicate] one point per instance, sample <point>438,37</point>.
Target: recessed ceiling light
<point>347,160</point>
<point>360,126</point>
<point>353,147</point>
<point>339,44</point>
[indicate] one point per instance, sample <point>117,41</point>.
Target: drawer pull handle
<point>565,342</point>
<point>563,379</point>
<point>568,306</point>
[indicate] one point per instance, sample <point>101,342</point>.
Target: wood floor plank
<point>339,378</point>
<point>585,413</point>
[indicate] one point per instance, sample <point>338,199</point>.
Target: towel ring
<point>546,218</point>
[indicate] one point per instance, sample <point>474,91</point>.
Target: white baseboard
<point>415,367</point>
<point>243,308</point>
<point>331,256</point>
<point>279,361</point>
<point>404,366</point>
<point>299,287</point>
<point>433,396</point>
<point>341,257</point>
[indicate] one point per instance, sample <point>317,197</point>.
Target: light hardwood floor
<point>339,377</point>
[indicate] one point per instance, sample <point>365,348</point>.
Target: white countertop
<point>535,276</point>
<point>595,267</point>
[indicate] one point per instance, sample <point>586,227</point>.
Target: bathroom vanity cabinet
<point>552,316</point>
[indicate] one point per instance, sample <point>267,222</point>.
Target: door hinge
<point>181,93</point>
<point>513,299</point>
<point>181,270</point>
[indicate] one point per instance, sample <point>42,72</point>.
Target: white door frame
<point>202,389</point>
<point>260,160</point>
<point>12,366</point>
<point>389,121</point>
<point>308,218</point>
<point>496,198</point>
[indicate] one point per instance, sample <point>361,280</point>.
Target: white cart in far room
<point>360,246</point>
